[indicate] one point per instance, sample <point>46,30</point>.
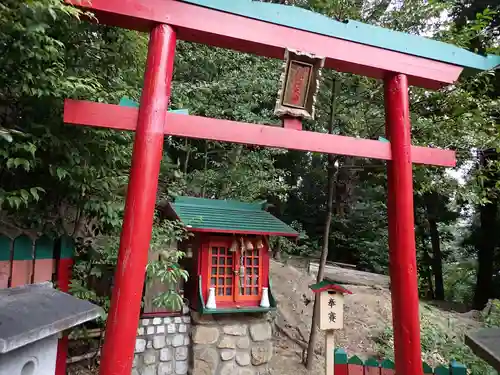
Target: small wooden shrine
<point>228,254</point>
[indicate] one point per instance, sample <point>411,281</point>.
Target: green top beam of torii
<point>354,31</point>
<point>267,29</point>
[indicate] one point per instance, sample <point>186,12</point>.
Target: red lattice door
<point>249,275</point>
<point>221,272</point>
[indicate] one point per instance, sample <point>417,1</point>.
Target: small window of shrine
<point>229,271</point>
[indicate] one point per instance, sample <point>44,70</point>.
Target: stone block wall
<point>239,344</point>
<point>162,346</point>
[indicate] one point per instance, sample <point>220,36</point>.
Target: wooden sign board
<point>331,310</point>
<point>299,85</point>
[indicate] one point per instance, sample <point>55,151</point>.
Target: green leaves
<point>20,198</point>
<point>166,270</point>
<point>50,55</point>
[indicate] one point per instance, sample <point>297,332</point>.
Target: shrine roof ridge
<point>354,31</point>
<point>228,216</point>
<point>229,204</point>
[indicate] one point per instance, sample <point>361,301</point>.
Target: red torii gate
<point>267,29</point>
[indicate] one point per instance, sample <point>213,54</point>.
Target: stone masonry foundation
<point>162,346</point>
<point>237,344</point>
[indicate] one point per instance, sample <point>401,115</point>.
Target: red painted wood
<point>63,276</point>
<point>372,370</point>
<point>355,370</point>
<point>387,371</point>
<point>124,118</point>
<point>204,262</point>
<point>21,272</point>
<point>123,318</point>
<point>248,35</point>
<point>4,274</point>
<point>62,351</point>
<point>42,270</point>
<point>265,265</point>
<point>402,254</point>
<point>292,123</point>
<point>63,280</point>
<point>340,369</point>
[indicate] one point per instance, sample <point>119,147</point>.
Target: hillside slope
<point>367,317</point>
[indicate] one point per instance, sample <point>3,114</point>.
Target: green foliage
<point>491,314</point>
<point>302,246</point>
<point>165,268</point>
<point>442,341</point>
<point>95,264</point>
<point>460,279</point>
<point>50,55</point>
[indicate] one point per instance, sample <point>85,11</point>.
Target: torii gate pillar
<point>123,317</point>
<point>402,253</point>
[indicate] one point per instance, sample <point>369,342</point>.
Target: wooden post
<point>22,261</point>
<point>355,366</point>
<point>330,352</point>
<point>292,123</point>
<point>372,367</point>
<point>123,317</point>
<point>402,253</point>
<point>44,260</point>
<point>63,279</point>
<point>340,362</point>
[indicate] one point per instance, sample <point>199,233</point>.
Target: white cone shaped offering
<point>211,299</point>
<point>264,302</point>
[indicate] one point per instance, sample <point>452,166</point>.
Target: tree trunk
<point>326,233</point>
<point>487,239</point>
<point>277,252</point>
<point>431,201</point>
<point>188,154</point>
<point>427,270</point>
<point>205,170</point>
<point>233,164</point>
<point>437,262</point>
<point>485,256</point>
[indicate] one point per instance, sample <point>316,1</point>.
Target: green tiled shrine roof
<point>228,216</point>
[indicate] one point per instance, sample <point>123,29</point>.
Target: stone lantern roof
<point>33,312</point>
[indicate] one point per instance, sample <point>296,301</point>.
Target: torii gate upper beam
<point>264,29</point>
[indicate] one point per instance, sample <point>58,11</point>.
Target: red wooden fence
<point>355,366</point>
<point>26,260</point>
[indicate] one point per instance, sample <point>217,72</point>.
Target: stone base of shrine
<point>162,346</point>
<point>236,344</point>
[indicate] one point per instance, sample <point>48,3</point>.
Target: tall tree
<point>328,220</point>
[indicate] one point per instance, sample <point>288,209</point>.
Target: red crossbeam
<point>211,27</point>
<point>125,118</point>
